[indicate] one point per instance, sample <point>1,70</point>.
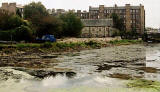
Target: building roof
<point>97,22</point>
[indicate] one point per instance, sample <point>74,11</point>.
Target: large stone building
<point>97,27</point>
<point>133,16</point>
<point>12,8</point>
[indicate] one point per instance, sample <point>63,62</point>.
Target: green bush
<point>93,44</point>
<point>23,33</point>
<point>5,35</point>
<point>129,34</point>
<point>14,21</point>
<point>46,45</point>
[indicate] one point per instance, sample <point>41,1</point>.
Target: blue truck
<point>46,38</point>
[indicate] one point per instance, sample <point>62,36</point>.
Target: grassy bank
<point>63,46</point>
<point>125,42</point>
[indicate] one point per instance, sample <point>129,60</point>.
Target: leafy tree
<point>33,9</point>
<point>117,22</point>
<point>14,21</point>
<point>4,16</point>
<point>72,25</point>
<point>49,25</point>
<point>34,12</point>
<point>15,28</point>
<point>42,22</point>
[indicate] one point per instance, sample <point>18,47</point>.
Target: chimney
<point>127,4</point>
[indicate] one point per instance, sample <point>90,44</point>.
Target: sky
<point>152,7</point>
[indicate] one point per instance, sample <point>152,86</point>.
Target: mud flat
<point>106,69</point>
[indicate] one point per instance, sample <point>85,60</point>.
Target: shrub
<point>46,45</point>
<point>23,33</point>
<point>93,44</point>
<point>129,35</point>
<point>5,35</point>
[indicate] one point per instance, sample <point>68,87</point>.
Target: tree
<point>4,16</point>
<point>14,28</point>
<point>72,25</point>
<point>49,25</point>
<point>34,12</point>
<point>117,22</point>
<point>34,9</point>
<point>14,21</point>
<point>42,22</point>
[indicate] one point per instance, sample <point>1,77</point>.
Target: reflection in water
<point>53,83</point>
<point>153,60</point>
<point>42,74</point>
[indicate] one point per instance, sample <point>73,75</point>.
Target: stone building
<point>133,16</point>
<point>12,8</point>
<point>96,27</point>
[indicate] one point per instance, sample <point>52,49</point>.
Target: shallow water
<point>92,70</point>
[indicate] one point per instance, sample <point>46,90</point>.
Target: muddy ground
<point>98,67</point>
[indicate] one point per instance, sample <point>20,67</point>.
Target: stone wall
<point>100,32</point>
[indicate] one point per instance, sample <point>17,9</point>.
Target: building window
<point>137,11</point>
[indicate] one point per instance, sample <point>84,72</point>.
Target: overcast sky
<point>152,7</point>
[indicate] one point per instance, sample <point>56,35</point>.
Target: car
<point>46,38</point>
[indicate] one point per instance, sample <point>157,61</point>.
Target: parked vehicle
<point>46,38</point>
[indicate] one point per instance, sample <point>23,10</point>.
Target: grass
<point>27,45</point>
<point>144,84</point>
<point>125,41</point>
<point>63,46</point>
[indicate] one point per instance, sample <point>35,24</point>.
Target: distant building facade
<point>133,16</point>
<point>97,27</point>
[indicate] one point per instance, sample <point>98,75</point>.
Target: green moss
<point>145,84</point>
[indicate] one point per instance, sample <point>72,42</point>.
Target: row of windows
<point>108,11</point>
<point>134,10</point>
<point>116,11</point>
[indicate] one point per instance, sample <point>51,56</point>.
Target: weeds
<point>46,45</point>
<point>125,42</point>
<point>62,46</point>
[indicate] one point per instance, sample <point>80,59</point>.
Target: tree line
<point>37,22</point>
